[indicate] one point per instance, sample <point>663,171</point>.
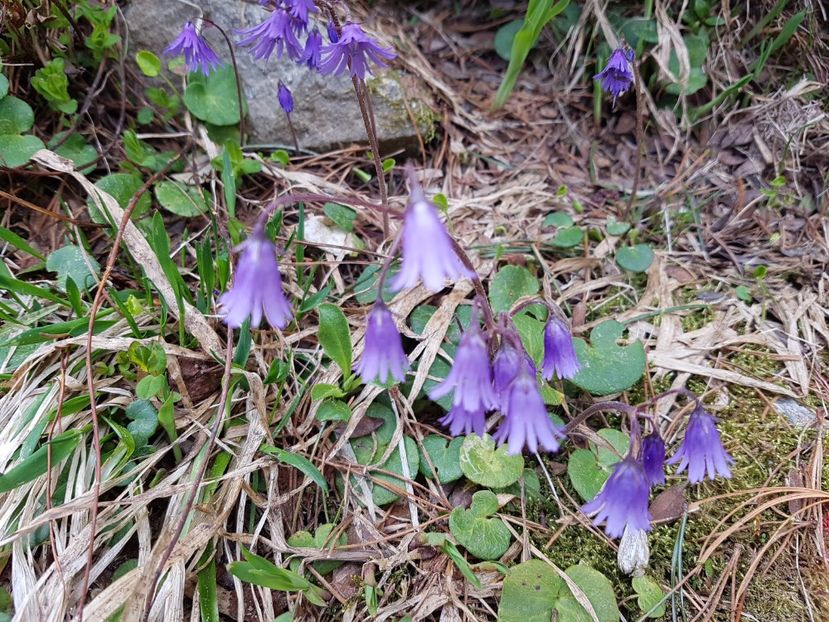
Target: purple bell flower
<point>333,37</point>
<point>652,455</point>
<point>617,76</point>
<point>257,286</point>
<point>471,374</point>
<point>505,368</point>
<point>702,452</point>
<point>623,500</point>
<point>198,55</point>
<point>277,32</point>
<point>383,358</point>
<point>526,422</point>
<point>353,52</point>
<point>286,99</point>
<point>313,49</point>
<point>300,9</point>
<point>461,421</point>
<point>427,249</point>
<point>559,352</point>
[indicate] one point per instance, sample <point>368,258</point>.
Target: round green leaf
<point>17,150</point>
<point>486,538</point>
<point>320,540</point>
<point>334,410</point>
<point>615,227</point>
<point>335,336</point>
<point>635,258</point>
<point>510,284</point>
<point>531,590</point>
<point>181,200</point>
<point>382,495</point>
<point>650,595</point>
<point>213,98</point>
<point>144,421</point>
<point>75,263</point>
<point>557,219</point>
<point>504,37</point>
<point>568,237</point>
<point>483,464</point>
<point>4,85</point>
<point>588,469</point>
<point>122,187</point>
<point>75,148</point>
<point>444,457</point>
<point>16,116</point>
<point>148,63</point>
<point>599,592</point>
<point>607,367</point>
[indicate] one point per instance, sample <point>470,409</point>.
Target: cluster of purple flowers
<point>623,501</point>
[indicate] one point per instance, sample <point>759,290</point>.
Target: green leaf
<point>342,216</point>
<point>483,464</point>
<point>213,98</point>
<point>598,590</point>
<point>208,599</point>
<point>510,284</point>
<point>74,148</point>
<point>148,63</point>
<point>486,538</point>
<point>383,496</point>
<point>616,228</point>
<point>35,465</point>
<point>4,86</point>
<point>557,219</point>
<point>651,599</point>
<point>333,410</point>
<point>301,463</point>
<point>334,336</point>
<point>444,457</point>
<point>7,235</point>
<point>181,200</point>
<point>75,263</point>
<point>53,84</point>
<point>259,571</point>
<point>635,258</point>
<point>568,237</point>
<point>17,150</point>
<point>531,331</point>
<point>320,540</point>
<point>588,469</point>
<point>150,386</point>
<point>743,293</point>
<point>504,37</point>
<point>144,421</point>
<point>321,391</point>
<point>122,187</point>
<point>606,366</point>
<point>16,116</point>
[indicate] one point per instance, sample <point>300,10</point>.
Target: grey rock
<point>796,413</point>
<point>326,114</point>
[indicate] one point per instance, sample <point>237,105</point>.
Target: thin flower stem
<point>229,44</point>
<point>310,197</point>
<point>381,280</point>
<point>293,132</point>
<point>367,111</point>
<point>477,283</point>
<point>640,139</point>
<point>630,411</point>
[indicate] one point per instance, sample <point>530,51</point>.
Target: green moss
<point>425,118</point>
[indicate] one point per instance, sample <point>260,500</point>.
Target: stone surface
<point>325,114</point>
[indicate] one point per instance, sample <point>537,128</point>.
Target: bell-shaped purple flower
<point>313,49</point>
<point>623,501</point>
<point>257,286</point>
<point>461,421</point>
<point>277,32</point>
<point>286,99</point>
<point>617,76</point>
<point>526,422</point>
<point>333,37</point>
<point>505,367</point>
<point>427,249</point>
<point>198,55</point>
<point>300,9</point>
<point>353,52</point>
<point>471,374</point>
<point>559,352</point>
<point>702,452</point>
<point>652,455</point>
<point>383,358</point>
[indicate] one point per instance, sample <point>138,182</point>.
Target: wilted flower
<point>617,76</point>
<point>313,48</point>
<point>198,55</point>
<point>526,422</point>
<point>427,249</point>
<point>559,352</point>
<point>352,52</point>
<point>383,357</point>
<point>702,452</point>
<point>634,552</point>
<point>471,374</point>
<point>623,501</point>
<point>276,32</point>
<point>653,459</point>
<point>462,421</point>
<point>257,286</point>
<point>300,9</point>
<point>286,100</point>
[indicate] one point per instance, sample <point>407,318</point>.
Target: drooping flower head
<point>427,249</point>
<point>286,99</point>
<point>277,32</point>
<point>702,452</point>
<point>559,352</point>
<point>353,52</point>
<point>505,366</point>
<point>383,358</point>
<point>333,37</point>
<point>526,422</point>
<point>461,421</point>
<point>257,286</point>
<point>300,9</point>
<point>471,374</point>
<point>617,76</point>
<point>313,48</point>
<point>198,55</point>
<point>623,500</point>
<point>652,455</point>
